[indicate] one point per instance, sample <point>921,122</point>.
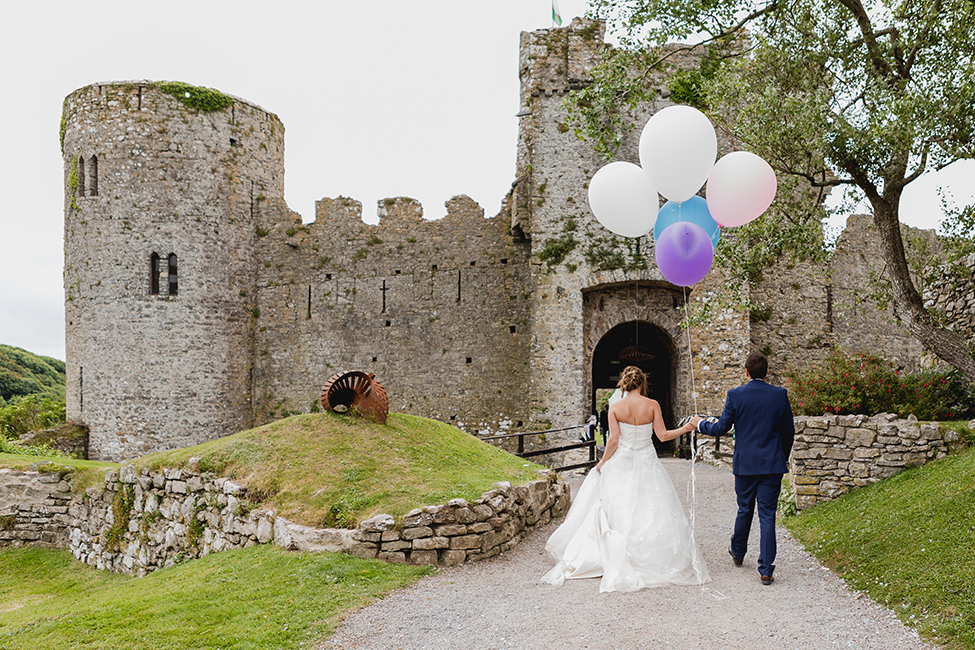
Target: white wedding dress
<point>627,525</point>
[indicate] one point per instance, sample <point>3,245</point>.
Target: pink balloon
<point>740,188</point>
<point>684,253</point>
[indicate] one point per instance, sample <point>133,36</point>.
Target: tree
<point>831,93</point>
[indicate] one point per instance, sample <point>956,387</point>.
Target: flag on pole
<point>556,14</point>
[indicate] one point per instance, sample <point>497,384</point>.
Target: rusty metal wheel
<point>359,390</point>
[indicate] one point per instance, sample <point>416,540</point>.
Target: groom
<point>764,432</point>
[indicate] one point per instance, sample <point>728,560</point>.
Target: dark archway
<point>641,344</point>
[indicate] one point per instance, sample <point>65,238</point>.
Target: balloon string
<point>692,481</point>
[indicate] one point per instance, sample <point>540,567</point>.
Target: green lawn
<point>909,543</point>
<point>251,599</point>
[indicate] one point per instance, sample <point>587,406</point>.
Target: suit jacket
<point>764,428</point>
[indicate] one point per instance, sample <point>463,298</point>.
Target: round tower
<point>161,186</point>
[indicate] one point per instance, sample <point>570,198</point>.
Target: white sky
<point>379,98</point>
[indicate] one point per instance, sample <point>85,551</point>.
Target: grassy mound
<point>331,470</point>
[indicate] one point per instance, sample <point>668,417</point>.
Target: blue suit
<point>764,433</point>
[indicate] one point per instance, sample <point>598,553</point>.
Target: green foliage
<point>198,98</point>
<point>23,373</point>
<point>906,542</point>
<point>30,413</point>
<point>259,598</point>
<point>866,384</point>
<point>556,250</point>
<point>122,506</point>
<point>64,124</point>
<point>833,93</point>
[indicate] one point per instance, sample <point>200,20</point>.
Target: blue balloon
<point>693,210</point>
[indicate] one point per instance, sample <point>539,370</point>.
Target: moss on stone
<point>198,98</point>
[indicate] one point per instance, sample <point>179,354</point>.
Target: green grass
<point>251,599</point>
<point>334,470</point>
<point>909,543</point>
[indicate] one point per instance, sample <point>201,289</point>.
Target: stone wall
<point>34,507</point>
<point>439,310</point>
<point>952,296</point>
<point>835,453</point>
<point>137,522</point>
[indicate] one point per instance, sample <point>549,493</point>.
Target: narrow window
<point>384,297</point>
<point>458,286</point>
<point>93,176</point>
<point>81,389</point>
<point>154,275</point>
<point>309,302</point>
<point>173,284</point>
<point>511,329</point>
<point>80,190</point>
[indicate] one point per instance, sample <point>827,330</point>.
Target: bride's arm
<point>612,443</point>
<point>663,433</point>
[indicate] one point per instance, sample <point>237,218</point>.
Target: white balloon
<point>623,199</point>
<point>740,188</point>
<point>677,151</point>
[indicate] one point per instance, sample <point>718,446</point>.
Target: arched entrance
<point>620,316</point>
<point>641,344</point>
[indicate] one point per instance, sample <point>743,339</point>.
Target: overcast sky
<point>379,98</point>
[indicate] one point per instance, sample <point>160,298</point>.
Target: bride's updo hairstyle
<point>632,378</point>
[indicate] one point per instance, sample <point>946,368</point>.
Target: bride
<point>626,523</point>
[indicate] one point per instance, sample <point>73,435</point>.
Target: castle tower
<point>161,185</point>
<point>599,302</point>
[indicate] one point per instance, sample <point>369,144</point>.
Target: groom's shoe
<point>767,580</point>
<point>733,558</point>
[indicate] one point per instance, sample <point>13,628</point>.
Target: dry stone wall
<point>141,521</point>
<point>836,453</point>
<point>34,507</point>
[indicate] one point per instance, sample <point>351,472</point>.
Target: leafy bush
<point>867,384</point>
<point>30,413</point>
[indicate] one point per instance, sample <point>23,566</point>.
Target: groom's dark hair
<point>757,365</point>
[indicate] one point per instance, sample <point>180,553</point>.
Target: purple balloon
<point>684,253</point>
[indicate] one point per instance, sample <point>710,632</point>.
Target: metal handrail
<point>521,453</point>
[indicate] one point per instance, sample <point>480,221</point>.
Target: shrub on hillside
<point>24,373</point>
<point>866,384</point>
<point>30,413</point>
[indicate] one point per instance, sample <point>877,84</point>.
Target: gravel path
<point>500,603</point>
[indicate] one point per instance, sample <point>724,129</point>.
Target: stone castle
<point>198,304</point>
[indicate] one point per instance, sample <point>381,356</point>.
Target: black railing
<point>521,453</point>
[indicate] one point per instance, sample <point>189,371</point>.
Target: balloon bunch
<point>678,147</point>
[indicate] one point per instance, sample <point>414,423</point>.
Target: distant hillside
<point>25,373</point>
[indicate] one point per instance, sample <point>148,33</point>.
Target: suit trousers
<point>763,490</point>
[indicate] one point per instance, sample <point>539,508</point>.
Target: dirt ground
<point>501,603</point>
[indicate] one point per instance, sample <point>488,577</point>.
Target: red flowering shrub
<point>867,384</point>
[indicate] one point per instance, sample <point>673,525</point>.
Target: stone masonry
<point>198,304</point>
<point>836,453</point>
<point>140,521</point>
